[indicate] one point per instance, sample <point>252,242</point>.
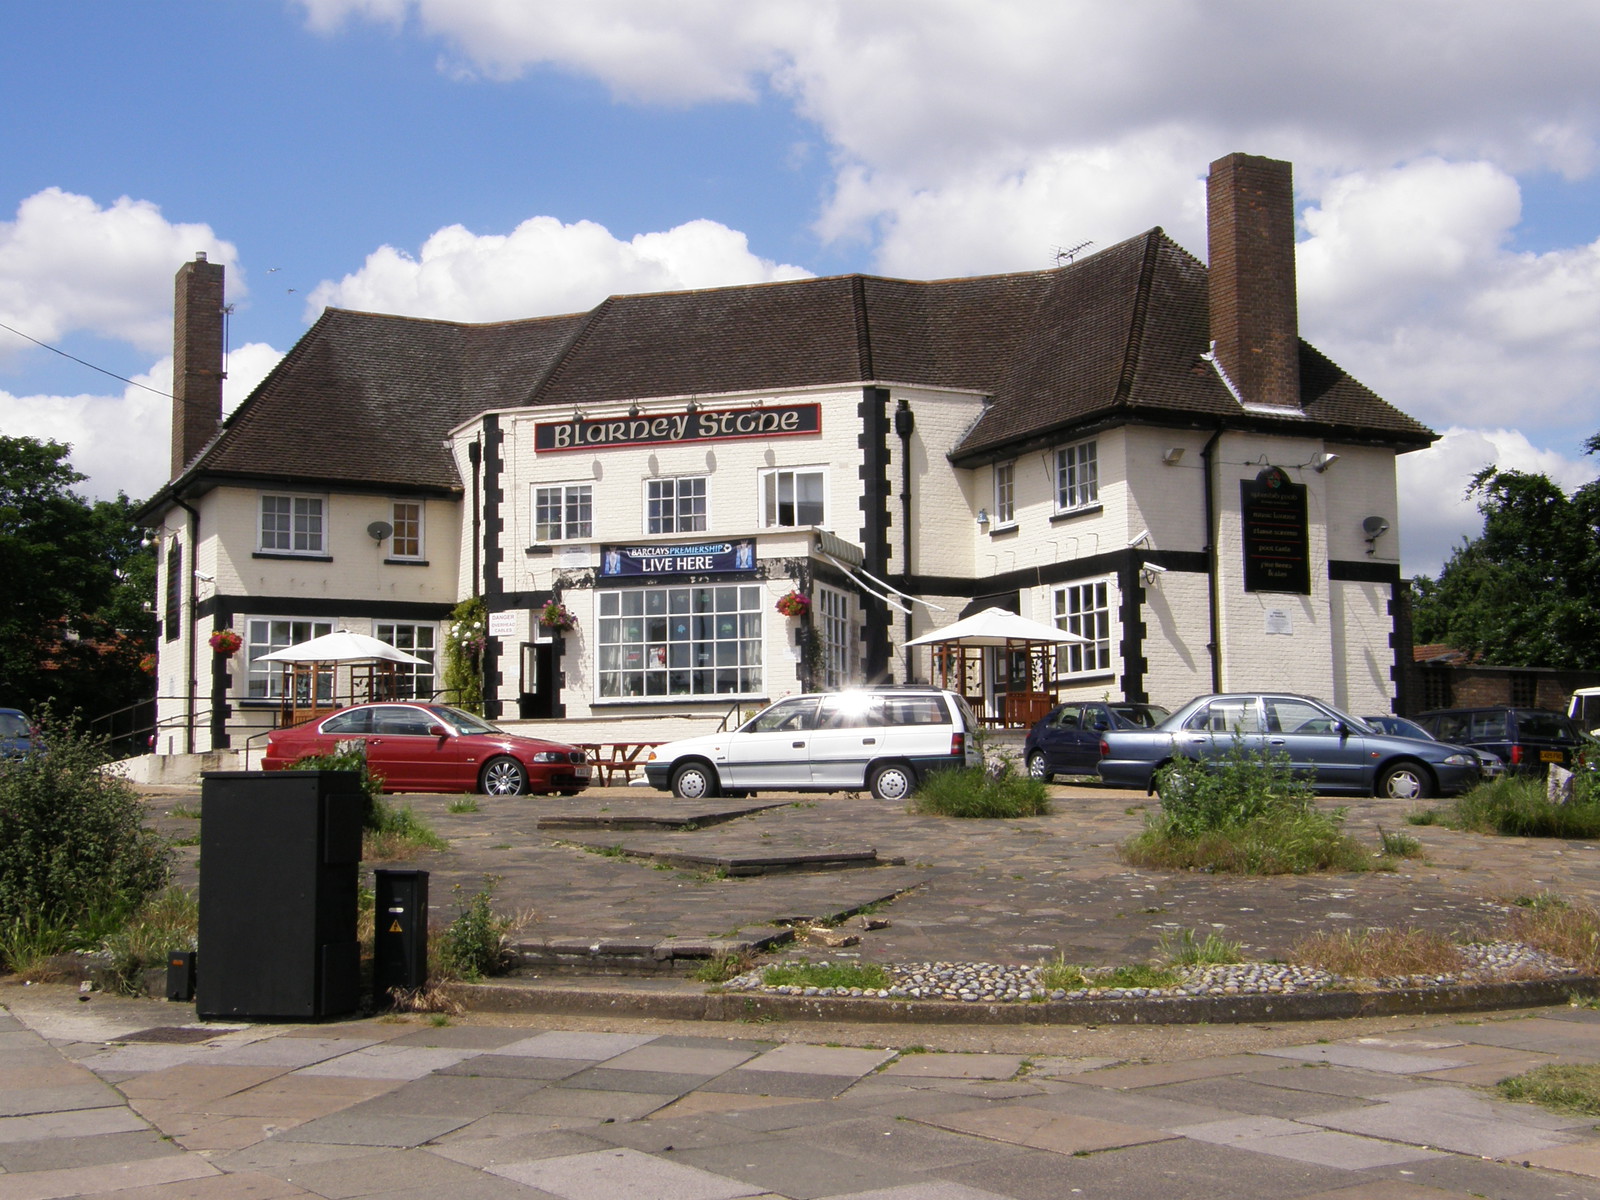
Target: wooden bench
<point>610,759</point>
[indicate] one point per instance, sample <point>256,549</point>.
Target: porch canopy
<point>1022,683</point>
<point>311,674</point>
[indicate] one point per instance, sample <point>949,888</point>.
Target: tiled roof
<point>365,399</point>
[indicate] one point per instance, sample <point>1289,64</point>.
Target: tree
<point>74,584</point>
<point>1524,592</point>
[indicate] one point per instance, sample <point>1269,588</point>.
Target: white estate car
<point>885,739</point>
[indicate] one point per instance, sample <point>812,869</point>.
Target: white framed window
<point>1005,493</point>
<point>837,633</point>
<point>1077,477</point>
<point>263,635</point>
<point>293,525</point>
<point>406,540</point>
<point>413,681</point>
<point>794,496</point>
<point>562,511</point>
<point>675,505</point>
<point>680,641</point>
<point>1084,609</point>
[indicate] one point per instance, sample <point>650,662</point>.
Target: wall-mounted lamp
<point>633,410</point>
<point>692,408</point>
<point>983,518</point>
<point>1173,456</point>
<point>1323,461</point>
<point>1373,528</point>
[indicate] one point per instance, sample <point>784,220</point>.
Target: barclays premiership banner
<point>698,558</point>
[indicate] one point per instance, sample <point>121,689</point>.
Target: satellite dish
<point>1374,527</point>
<point>379,530</point>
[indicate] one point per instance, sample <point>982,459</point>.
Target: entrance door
<point>539,695</point>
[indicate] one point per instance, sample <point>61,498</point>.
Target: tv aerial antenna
<point>1068,253</point>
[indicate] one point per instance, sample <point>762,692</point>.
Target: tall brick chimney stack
<point>1254,315</point>
<point>197,336</point>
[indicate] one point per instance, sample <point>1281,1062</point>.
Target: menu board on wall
<point>1277,541</point>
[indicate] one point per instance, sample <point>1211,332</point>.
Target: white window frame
<point>419,638</point>
<point>1005,494</point>
<point>664,503</point>
<point>395,520</point>
<point>772,479</point>
<point>836,634</point>
<point>680,642</point>
<point>301,507</point>
<point>1077,477</point>
<point>570,527</point>
<point>263,635</point>
<point>1087,608</point>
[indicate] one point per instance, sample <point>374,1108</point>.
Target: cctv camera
<point>204,578</point>
<point>1142,536</point>
<point>1155,568</point>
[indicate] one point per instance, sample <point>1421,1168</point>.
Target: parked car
<point>434,748</point>
<point>885,739</point>
<point>17,737</point>
<point>1491,764</point>
<point>1528,739</point>
<point>1066,740</point>
<point>1335,751</point>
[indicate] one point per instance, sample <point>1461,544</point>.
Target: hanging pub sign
<point>1277,541</point>
<point>699,558</point>
<point>691,425</point>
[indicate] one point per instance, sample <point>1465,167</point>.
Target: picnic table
<point>610,759</point>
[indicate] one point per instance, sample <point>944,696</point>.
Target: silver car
<point>1338,753</point>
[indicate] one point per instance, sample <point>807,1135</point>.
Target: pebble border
<point>991,983</point>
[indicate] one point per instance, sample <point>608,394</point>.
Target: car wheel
<point>1405,781</point>
<point>1038,768</point>
<point>892,781</point>
<point>503,777</point>
<point>694,781</point>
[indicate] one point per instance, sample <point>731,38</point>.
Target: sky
<point>481,160</point>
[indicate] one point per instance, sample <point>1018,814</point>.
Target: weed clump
<point>1380,953</point>
<point>76,858</point>
<point>978,792</point>
<point>1242,814</point>
<point>1561,1087</point>
<point>1517,806</point>
<point>866,976</point>
<point>475,944</point>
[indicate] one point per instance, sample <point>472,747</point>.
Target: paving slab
<point>1040,1129</point>
<point>604,1174</point>
<point>384,1174</point>
<point>956,1066</point>
<point>593,1047</point>
<point>1366,1058</point>
<point>1336,1150</point>
<point>795,1169</point>
<point>352,1129</point>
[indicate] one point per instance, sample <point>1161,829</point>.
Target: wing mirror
<point>438,731</point>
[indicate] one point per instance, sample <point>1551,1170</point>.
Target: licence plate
<point>581,772</point>
<point>1551,756</point>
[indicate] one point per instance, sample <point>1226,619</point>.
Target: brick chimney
<point>197,336</point>
<point>1254,317</point>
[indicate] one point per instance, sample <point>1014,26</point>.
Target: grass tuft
<point>1184,950</point>
<point>1561,1087</point>
<point>867,976</point>
<point>974,792</point>
<point>1380,953</point>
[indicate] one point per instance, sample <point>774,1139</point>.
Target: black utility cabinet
<point>399,931</point>
<point>280,856</point>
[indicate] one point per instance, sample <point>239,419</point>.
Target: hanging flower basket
<point>556,616</point>
<point>226,642</point>
<point>147,664</point>
<point>794,604</point>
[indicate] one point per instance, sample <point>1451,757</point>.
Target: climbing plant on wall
<point>463,654</point>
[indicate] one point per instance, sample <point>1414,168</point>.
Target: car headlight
<point>1461,760</point>
<point>548,756</point>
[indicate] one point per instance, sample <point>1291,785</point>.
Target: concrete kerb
<point>682,1003</point>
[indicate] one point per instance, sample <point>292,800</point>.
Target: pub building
<point>728,495</point>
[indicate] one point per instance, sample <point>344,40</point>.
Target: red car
<point>434,748</point>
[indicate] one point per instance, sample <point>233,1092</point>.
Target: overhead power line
<point>84,363</point>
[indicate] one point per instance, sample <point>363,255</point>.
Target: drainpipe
<point>1213,583</point>
<point>194,619</point>
<point>905,422</point>
<point>475,457</point>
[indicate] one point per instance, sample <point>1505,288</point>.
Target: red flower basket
<point>794,604</point>
<point>226,642</point>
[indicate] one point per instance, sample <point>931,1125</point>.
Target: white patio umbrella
<point>996,627</point>
<point>342,646</point>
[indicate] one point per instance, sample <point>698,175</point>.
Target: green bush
<point>350,755</point>
<point>1517,806</point>
<point>74,850</point>
<point>169,922</point>
<point>474,944</point>
<point>1243,814</point>
<point>974,792</point>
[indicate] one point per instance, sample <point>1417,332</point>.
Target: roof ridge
<point>863,324</point>
<point>558,364</point>
<point>1141,310</point>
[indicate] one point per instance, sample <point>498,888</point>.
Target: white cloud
<point>122,441</point>
<point>69,265</point>
<point>1436,514</point>
<point>543,267</point>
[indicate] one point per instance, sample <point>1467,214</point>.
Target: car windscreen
<point>13,725</point>
<point>464,722</point>
<point>1547,726</point>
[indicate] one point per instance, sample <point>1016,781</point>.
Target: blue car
<point>1338,753</point>
<point>1066,740</point>
<point>16,734</point>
